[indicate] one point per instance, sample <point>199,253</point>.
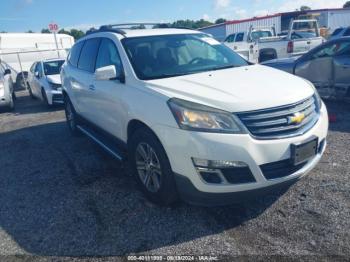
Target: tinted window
<point>108,55</point>
<point>239,37</point>
<point>335,49</point>
<point>39,69</point>
<point>230,38</point>
<point>32,68</point>
<point>155,57</point>
<point>347,32</point>
<point>88,55</point>
<point>337,31</point>
<point>75,53</point>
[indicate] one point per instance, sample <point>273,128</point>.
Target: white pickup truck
<point>262,44</point>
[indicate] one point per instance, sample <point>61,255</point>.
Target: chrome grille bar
<point>277,122</point>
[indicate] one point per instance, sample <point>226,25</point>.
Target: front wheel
<point>151,168</point>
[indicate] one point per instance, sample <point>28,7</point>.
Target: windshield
<point>155,57</point>
<point>259,34</point>
<point>53,67</point>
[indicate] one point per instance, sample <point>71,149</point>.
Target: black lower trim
<point>190,194</point>
<point>104,136</point>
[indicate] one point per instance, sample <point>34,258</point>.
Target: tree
<point>305,8</point>
<point>30,31</point>
<point>347,4</point>
<point>220,21</point>
<point>77,34</point>
<point>63,31</point>
<point>45,31</point>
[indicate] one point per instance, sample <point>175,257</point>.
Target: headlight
<point>316,95</point>
<point>55,86</point>
<point>196,117</point>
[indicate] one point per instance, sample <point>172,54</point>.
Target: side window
<point>347,32</point>
<point>108,55</point>
<point>230,38</point>
<point>32,68</point>
<point>39,69</point>
<point>2,71</point>
<point>75,53</point>
<point>239,37</point>
<point>88,55</point>
<point>333,50</point>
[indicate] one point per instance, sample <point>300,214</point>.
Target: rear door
<point>342,69</point>
<point>83,81</point>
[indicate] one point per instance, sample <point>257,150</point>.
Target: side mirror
<point>109,73</point>
<point>7,72</point>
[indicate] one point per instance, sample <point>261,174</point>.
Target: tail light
<point>290,47</point>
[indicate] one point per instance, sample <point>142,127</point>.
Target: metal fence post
<point>23,76</point>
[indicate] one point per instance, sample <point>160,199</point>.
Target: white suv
<point>192,117</point>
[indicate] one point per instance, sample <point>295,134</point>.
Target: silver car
<point>7,93</point>
<point>326,66</point>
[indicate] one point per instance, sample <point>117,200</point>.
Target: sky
<point>24,15</point>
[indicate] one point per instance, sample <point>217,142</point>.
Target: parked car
<point>340,32</point>
<point>7,93</point>
<point>326,66</point>
<point>20,50</point>
<point>192,117</point>
<point>260,45</point>
<point>44,81</point>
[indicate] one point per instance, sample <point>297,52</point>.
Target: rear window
<point>88,55</point>
<point>75,53</point>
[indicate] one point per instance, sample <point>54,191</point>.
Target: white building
<point>327,18</point>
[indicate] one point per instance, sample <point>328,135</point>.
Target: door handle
<point>92,87</point>
<point>346,65</point>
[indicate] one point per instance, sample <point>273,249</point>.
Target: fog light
<point>217,163</point>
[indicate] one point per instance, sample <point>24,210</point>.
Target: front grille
<point>280,169</point>
<point>278,122</point>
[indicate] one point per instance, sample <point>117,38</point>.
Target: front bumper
<point>181,146</point>
<point>54,97</point>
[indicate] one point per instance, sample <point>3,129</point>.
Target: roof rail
<point>139,25</point>
<point>119,28</point>
<point>106,28</point>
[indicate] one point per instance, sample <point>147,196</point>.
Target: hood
<point>236,89</point>
<point>55,79</point>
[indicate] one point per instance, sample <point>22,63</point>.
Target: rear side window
<point>75,53</point>
<point>88,55</point>
<point>239,37</point>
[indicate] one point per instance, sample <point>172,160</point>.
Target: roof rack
<point>119,28</point>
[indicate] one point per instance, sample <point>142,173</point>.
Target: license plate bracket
<point>304,151</point>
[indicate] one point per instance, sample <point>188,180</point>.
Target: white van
<point>20,50</point>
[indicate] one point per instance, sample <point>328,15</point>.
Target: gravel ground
<point>62,196</point>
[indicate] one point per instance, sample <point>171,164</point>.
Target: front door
<point>109,93</point>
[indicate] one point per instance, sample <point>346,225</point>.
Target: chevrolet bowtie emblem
<point>297,118</point>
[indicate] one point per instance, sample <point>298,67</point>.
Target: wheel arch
<point>266,51</point>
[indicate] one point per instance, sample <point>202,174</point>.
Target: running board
<point>101,141</point>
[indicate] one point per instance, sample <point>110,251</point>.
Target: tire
<point>43,94</point>
<point>11,105</point>
<point>71,117</point>
<point>151,167</point>
<point>31,93</point>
